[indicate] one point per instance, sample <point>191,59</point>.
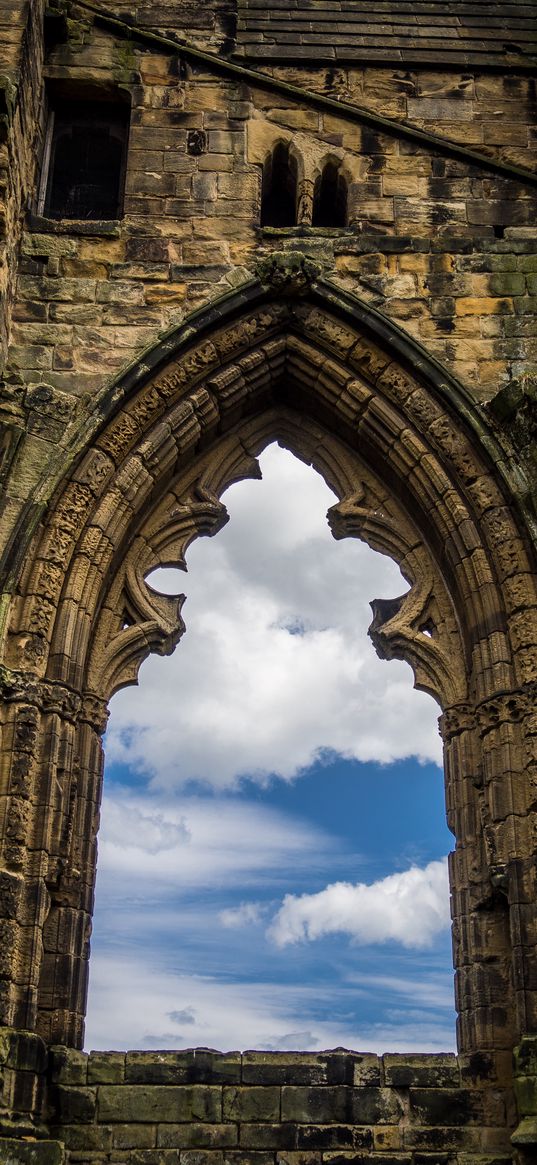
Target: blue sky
<point>272,850</point>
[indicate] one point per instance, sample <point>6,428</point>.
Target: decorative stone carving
<point>288,272</point>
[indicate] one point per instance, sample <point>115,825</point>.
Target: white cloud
<point>201,841</point>
<point>410,908</point>
<point>134,826</point>
<point>275,667</point>
<point>247,914</point>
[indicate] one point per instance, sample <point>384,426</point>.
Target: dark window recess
<point>330,198</point>
<point>85,178</point>
<point>279,191</point>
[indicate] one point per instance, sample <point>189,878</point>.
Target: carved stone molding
<point>503,708</point>
<point>456,720</point>
<point>507,708</point>
<point>24,688</point>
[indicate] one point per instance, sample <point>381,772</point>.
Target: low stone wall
<point>256,1108</point>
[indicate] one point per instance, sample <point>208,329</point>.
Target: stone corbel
<point>290,272</point>
<point>118,664</point>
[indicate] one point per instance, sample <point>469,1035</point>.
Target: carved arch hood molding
<point>420,476</point>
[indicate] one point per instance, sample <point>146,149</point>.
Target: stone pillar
<point>491,788</point>
<point>50,795</point>
<point>64,971</point>
<point>508,728</point>
<point>481,949</point>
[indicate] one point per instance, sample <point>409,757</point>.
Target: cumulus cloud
<point>410,908</point>
<point>275,669</point>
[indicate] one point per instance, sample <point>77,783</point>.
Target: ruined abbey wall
<point>145,361</point>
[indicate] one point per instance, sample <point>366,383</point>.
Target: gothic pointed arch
<point>420,474</point>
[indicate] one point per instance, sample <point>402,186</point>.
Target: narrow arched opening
<point>279,188</point>
<point>330,197</point>
<point>245,827</point>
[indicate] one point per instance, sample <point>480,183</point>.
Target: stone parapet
<point>200,1107</point>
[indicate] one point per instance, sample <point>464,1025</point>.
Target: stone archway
<point>419,476</point>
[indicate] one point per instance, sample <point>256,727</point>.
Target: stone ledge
<point>31,1152</point>
<point>58,226</point>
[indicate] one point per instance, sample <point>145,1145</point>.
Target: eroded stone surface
<point>146,363</point>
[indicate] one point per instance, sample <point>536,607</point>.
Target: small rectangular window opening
<point>84,162</point>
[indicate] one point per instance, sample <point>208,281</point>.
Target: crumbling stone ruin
<point>310,221</point>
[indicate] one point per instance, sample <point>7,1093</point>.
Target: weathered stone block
<point>304,1157</point>
<point>333,1136</point>
<point>91,1138</point>
<point>367,1070</point>
<point>202,1157</point>
<point>24,1051</point>
<point>190,1067</point>
<point>446,1106</point>
<point>76,1105</point>
<point>197,1136</point>
<point>251,1104</point>
<point>238,1157</point>
<point>340,1104</point>
<point>303,1068</point>
<point>31,1152</point>
<point>154,1103</point>
<point>526,1095</point>
<point>106,1067</point>
<point>268,1136</point>
<point>401,1071</point>
<point>526,1056</point>
<point>133,1136</point>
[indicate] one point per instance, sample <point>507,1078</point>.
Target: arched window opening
<point>279,189</point>
<point>263,818</point>
<point>330,198</point>
<point>84,168</point>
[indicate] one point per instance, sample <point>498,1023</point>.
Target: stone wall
<point>490,112</point>
<point>440,243</point>
<point>437,151</point>
<point>263,1108</point>
<point>21,71</point>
